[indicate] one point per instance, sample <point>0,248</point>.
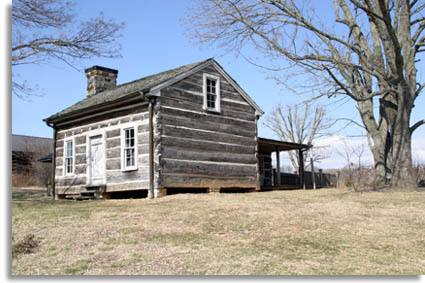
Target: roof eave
<point>94,108</point>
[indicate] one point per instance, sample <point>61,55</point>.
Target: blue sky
<point>153,41</point>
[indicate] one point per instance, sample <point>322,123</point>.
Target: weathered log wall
<point>200,148</point>
<point>111,131</point>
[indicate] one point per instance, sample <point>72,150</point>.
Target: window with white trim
<point>69,157</point>
<point>211,89</point>
<point>129,149</point>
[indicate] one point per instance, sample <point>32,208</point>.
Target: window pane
<point>129,157</point>
<point>211,100</point>
<point>129,148</point>
<point>68,148</point>
<point>211,93</point>
<point>129,137</point>
<point>211,86</point>
<point>68,164</point>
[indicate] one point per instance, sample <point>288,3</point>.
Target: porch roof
<point>269,145</point>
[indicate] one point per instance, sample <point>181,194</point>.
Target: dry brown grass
<point>278,232</point>
<point>23,180</point>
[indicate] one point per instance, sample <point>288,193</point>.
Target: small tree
<point>300,125</point>
<point>419,172</point>
<point>355,166</point>
<point>44,30</point>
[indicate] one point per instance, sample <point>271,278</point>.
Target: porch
<point>272,179</point>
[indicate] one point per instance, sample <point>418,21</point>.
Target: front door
<point>96,160</point>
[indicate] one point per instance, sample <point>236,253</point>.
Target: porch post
<point>278,166</point>
<point>313,179</point>
<point>301,168</point>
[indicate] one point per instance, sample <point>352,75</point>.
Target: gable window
<point>211,92</point>
<point>129,149</point>
<point>69,157</point>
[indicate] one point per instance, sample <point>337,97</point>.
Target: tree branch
<point>416,125</point>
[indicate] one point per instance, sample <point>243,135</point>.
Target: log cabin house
<point>189,128</point>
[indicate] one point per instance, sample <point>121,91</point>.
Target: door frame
<point>88,150</point>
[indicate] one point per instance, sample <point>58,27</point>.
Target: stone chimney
<point>100,79</point>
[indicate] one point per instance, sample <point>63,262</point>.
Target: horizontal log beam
<point>227,109</point>
<point>113,133</point>
<point>176,131</point>
<point>206,117</point>
<point>212,169</point>
<point>194,181</point>
<point>71,181</point>
<point>142,185</point>
<point>197,98</point>
<point>142,173</point>
<point>201,155</point>
<point>206,145</point>
<point>171,120</point>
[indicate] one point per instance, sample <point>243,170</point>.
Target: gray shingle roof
<point>143,84</point>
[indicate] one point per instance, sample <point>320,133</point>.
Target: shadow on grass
<point>27,195</point>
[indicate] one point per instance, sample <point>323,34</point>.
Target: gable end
<point>156,91</point>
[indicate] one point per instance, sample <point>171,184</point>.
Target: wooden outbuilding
<point>192,127</point>
<point>26,150</point>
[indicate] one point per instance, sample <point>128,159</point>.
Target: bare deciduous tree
<point>300,125</point>
<point>43,30</point>
<point>353,156</point>
<point>366,50</point>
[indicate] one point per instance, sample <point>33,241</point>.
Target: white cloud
<point>334,144</point>
<point>336,148</point>
<point>418,150</point>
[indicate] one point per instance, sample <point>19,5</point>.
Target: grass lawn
<point>327,231</point>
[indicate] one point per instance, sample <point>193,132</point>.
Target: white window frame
<point>217,92</point>
<point>123,148</point>
<point>65,150</point>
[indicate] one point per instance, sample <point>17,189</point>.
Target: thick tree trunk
<point>382,172</point>
<point>401,146</point>
<point>391,136</point>
<point>394,167</point>
<point>402,167</point>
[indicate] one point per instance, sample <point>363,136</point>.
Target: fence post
<point>321,178</point>
<point>313,176</point>
<point>278,165</point>
<point>301,169</point>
